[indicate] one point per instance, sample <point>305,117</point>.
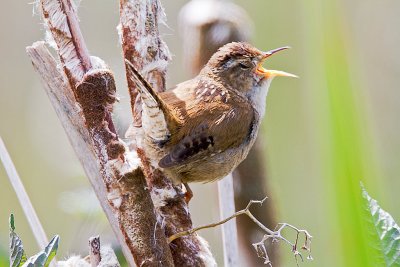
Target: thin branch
<point>23,198</point>
<point>236,214</point>
<point>275,235</point>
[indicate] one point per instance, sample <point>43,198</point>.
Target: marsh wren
<point>201,129</point>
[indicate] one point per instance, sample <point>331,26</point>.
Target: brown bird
<point>201,129</point>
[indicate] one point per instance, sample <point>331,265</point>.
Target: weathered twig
<point>245,211</point>
<point>251,181</point>
<point>144,48</point>
<point>23,198</point>
<point>274,235</point>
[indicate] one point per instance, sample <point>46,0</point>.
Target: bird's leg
<point>188,193</point>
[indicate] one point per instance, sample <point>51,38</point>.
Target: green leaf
<point>385,229</point>
<point>43,258</point>
<point>18,256</point>
<point>37,260</point>
<point>51,249</point>
<point>17,253</point>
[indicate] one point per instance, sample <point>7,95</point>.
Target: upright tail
<point>153,119</point>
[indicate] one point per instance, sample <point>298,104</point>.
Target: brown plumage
<point>201,129</point>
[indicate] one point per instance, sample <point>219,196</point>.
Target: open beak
<point>272,73</point>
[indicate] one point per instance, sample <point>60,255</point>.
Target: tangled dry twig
<point>273,235</point>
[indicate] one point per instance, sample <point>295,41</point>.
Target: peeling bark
<point>83,96</point>
<point>143,46</point>
<point>119,183</point>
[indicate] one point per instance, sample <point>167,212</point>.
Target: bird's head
<point>239,65</point>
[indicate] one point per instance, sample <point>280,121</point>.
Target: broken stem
<point>94,251</point>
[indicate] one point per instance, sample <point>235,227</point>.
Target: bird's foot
<point>188,193</point>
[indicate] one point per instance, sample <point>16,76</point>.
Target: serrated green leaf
<point>17,253</point>
<point>386,231</point>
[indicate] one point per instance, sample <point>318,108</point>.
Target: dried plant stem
<point>118,183</point>
<point>236,214</point>
<point>144,48</point>
<point>275,235</point>
<point>76,34</point>
<point>23,198</point>
<point>94,251</point>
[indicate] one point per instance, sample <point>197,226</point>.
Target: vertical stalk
<point>343,137</point>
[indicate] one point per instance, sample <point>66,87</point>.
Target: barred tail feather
<point>153,119</point>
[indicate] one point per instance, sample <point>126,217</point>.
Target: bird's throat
<point>258,97</point>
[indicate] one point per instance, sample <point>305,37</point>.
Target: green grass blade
<point>346,153</point>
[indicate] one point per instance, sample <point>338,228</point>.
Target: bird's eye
<point>244,65</point>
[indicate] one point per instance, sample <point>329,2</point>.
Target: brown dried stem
<point>83,103</point>
<point>119,184</point>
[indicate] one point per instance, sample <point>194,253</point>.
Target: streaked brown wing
<point>210,128</point>
<point>190,146</point>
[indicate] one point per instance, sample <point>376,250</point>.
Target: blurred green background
<point>335,126</point>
